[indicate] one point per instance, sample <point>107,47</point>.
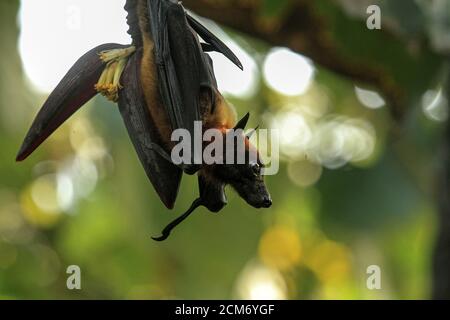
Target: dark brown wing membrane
<point>74,90</point>
<point>131,7</point>
<point>179,61</point>
<point>142,130</point>
<point>184,70</point>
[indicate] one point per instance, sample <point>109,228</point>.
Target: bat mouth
<point>265,203</point>
<point>258,200</point>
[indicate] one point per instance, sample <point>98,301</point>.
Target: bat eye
<point>256,168</point>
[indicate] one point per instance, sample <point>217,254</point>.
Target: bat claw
<point>161,238</point>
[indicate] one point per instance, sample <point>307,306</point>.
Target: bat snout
<point>264,202</point>
<point>257,197</point>
<point>267,202</point>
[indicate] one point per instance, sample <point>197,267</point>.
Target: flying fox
<point>162,82</point>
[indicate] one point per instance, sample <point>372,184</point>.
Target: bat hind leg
<point>116,60</point>
<point>167,230</point>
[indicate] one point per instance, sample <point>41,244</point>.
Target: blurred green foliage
<point>315,242</point>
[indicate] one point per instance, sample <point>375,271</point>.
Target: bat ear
<point>242,123</point>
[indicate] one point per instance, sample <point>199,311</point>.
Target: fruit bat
<point>162,82</point>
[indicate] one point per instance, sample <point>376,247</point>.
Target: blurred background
<point>363,117</point>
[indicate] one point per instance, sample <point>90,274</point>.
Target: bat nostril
<point>267,203</point>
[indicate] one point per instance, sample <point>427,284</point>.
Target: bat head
<point>248,182</point>
<point>245,174</point>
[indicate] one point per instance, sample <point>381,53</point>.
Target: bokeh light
<point>257,282</point>
<point>370,99</point>
<point>40,202</point>
<point>230,79</point>
<point>50,46</point>
<point>295,133</point>
<point>287,72</point>
<point>435,105</point>
<point>77,27</point>
<point>304,173</point>
<point>331,261</point>
<point>280,248</point>
<point>341,140</point>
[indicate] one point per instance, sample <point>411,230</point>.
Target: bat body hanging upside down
<point>164,81</point>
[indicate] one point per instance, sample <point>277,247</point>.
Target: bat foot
<point>161,238</point>
<point>109,83</point>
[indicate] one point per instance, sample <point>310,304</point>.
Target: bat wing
<point>184,69</point>
<point>164,176</point>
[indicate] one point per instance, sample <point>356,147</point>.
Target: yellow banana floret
<point>109,83</point>
<point>116,54</point>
